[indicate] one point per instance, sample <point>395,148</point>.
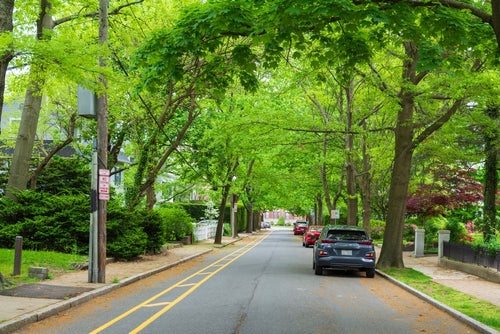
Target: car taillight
<point>328,241</point>
<point>322,253</point>
<point>365,242</point>
<point>370,255</point>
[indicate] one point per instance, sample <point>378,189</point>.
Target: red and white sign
<point>104,180</point>
<point>104,172</point>
<point>104,184</point>
<point>104,197</point>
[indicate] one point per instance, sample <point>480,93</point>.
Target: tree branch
<point>94,14</point>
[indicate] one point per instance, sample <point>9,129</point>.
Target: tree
<point>448,189</point>
<point>286,28</point>
<point>41,63</point>
<point>492,149</point>
<point>6,53</point>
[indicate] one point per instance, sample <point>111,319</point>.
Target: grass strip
<point>55,262</point>
<point>478,309</point>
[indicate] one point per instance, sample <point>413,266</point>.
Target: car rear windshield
<point>346,235</point>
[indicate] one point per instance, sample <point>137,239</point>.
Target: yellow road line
<point>180,284</point>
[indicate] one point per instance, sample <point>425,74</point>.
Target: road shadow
<point>44,291</point>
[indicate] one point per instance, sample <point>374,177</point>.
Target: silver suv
<point>344,247</point>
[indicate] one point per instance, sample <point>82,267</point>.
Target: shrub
<point>65,176</point>
<point>377,229</point>
<point>125,237</point>
<point>177,222</point>
<point>432,226</point>
<point>281,221</point>
<point>490,248</point>
<point>457,230</point>
<point>152,224</point>
<point>409,232</point>
<point>130,243</point>
<point>46,221</point>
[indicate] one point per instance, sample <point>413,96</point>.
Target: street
<point>261,284</point>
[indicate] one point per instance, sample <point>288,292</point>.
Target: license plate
<point>346,252</point>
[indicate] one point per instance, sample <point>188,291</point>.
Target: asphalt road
<point>262,284</point>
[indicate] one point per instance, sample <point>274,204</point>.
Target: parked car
<point>344,247</point>
<point>265,225</point>
<point>311,235</point>
<point>299,228</point>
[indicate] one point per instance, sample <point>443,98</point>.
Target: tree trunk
<point>364,182</point>
<point>48,157</point>
<point>324,180</point>
<point>6,10</point>
<point>352,197</point>
<point>319,213</point>
<point>150,198</point>
<point>250,215</point>
<point>19,169</point>
<point>491,176</point>
<point>222,210</point>
<point>392,250</point>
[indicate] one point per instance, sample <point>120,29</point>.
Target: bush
<point>490,248</point>
<point>457,230</point>
<point>125,237</point>
<point>65,176</point>
<point>130,243</point>
<point>377,229</point>
<point>151,223</point>
<point>46,222</point>
<point>177,222</point>
<point>409,231</point>
<point>61,223</point>
<point>432,226</point>
<point>281,221</point>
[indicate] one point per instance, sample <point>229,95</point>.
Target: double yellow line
<point>205,271</point>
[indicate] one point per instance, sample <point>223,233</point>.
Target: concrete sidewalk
<point>458,280</point>
<point>16,312</point>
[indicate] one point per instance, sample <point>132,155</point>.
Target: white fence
<point>204,230</point>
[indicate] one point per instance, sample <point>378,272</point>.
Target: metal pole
<point>93,267</point>
<point>102,140</point>
<point>234,209</point>
<point>231,217</point>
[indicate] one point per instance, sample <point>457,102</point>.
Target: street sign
<point>104,180</point>
<point>104,172</point>
<point>335,214</point>
<point>104,184</point>
<point>103,197</point>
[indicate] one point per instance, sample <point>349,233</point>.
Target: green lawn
<point>480,310</point>
<point>55,262</point>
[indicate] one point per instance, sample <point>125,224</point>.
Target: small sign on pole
<point>104,184</point>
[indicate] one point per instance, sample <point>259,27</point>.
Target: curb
<point>48,311</point>
<point>458,315</point>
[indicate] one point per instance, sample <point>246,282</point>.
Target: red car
<point>299,228</point>
<point>311,235</point>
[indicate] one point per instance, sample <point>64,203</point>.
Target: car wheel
<point>370,273</point>
<point>318,270</point>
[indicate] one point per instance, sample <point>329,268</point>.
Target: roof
<point>345,227</point>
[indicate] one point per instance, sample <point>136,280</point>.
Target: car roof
<point>345,228</point>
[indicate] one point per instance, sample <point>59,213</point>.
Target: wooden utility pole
<point>102,141</point>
